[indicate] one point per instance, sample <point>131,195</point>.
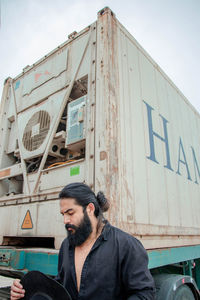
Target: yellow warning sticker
<point>27,223</point>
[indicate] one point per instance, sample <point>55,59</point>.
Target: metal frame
<point>46,260</point>
<point>163,257</point>
<point>18,261</point>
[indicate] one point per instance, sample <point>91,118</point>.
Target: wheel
<point>165,284</point>
<point>184,293</point>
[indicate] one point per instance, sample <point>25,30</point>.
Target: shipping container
<point>99,110</point>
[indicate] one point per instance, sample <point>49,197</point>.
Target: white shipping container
<point>139,140</point>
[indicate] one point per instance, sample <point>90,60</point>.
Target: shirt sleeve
<point>137,279</point>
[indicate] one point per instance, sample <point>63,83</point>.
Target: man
<point>97,261</point>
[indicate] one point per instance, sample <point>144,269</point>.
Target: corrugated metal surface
<point>50,74</point>
<point>33,107</point>
<point>142,140</point>
<point>45,217</point>
<point>153,156</point>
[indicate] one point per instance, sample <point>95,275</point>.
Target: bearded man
<point>97,261</point>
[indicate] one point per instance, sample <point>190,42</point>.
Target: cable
<point>61,163</point>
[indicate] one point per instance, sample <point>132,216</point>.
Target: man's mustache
<point>67,226</point>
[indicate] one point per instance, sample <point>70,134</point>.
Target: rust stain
<point>4,173</point>
<point>108,71</point>
<point>47,73</point>
<point>37,76</point>
<point>115,169</point>
<point>103,155</point>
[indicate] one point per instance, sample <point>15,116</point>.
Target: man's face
<point>77,222</point>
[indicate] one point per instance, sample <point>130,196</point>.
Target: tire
<point>184,293</point>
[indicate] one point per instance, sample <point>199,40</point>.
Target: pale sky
<point>169,30</point>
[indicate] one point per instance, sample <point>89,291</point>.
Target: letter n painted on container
<point>153,134</point>
<point>196,166</point>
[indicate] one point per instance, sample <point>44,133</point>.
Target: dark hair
<point>84,195</point>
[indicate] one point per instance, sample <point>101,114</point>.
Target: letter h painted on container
<point>153,134</point>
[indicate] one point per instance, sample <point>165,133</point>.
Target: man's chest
<point>93,273</point>
<point>79,260</point>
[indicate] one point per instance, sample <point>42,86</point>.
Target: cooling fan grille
<point>36,130</point>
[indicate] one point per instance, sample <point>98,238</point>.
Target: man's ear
<point>90,209</point>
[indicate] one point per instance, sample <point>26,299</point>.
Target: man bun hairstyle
<point>83,195</point>
<point>102,201</point>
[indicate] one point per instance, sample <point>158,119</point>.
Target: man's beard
<point>81,232</point>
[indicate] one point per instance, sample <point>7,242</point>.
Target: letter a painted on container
<point>27,223</point>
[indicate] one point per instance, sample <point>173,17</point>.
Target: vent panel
<point>36,130</point>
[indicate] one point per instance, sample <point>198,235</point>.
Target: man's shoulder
<point>65,244</point>
<point>65,241</point>
<point>124,237</point>
<point>119,233</point>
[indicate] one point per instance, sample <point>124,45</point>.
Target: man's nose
<point>66,219</point>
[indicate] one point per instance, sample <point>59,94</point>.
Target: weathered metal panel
<point>51,74</point>
<point>12,218</point>
<point>51,68</point>
<point>141,144</point>
<point>155,188</point>
<point>156,136</point>
<point>172,203</point>
<point>35,104</point>
<point>57,177</point>
<point>107,172</point>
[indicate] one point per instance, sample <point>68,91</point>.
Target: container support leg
<point>187,268</point>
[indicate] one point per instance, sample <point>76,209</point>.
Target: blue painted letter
<point>153,133</point>
<point>196,167</point>
<point>181,149</point>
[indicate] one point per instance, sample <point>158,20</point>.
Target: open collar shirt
<point>116,268</point>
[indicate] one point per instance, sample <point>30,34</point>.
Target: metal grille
<point>36,130</point>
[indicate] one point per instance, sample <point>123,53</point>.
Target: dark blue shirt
<point>115,269</point>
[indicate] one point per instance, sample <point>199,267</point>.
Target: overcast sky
<point>169,30</point>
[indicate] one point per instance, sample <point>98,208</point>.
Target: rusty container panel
<point>36,158</point>
<point>50,74</point>
<point>140,146</point>
<point>149,134</point>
